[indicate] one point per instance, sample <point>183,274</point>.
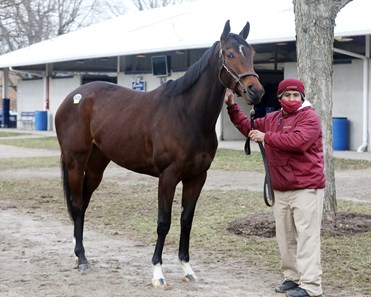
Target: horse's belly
<point>138,168</point>
<point>132,158</point>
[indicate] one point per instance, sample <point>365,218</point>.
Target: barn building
<point>142,50</point>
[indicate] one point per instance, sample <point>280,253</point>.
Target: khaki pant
<point>298,216</point>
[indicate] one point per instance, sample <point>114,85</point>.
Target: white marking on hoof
<point>158,277</point>
<point>189,275</point>
<point>190,278</point>
<point>76,266</point>
<point>159,283</point>
<point>81,267</point>
<point>84,267</point>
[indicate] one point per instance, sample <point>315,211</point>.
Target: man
<point>292,138</point>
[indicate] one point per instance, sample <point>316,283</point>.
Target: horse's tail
<point>66,186</point>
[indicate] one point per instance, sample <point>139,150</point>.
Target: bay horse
<point>168,133</point>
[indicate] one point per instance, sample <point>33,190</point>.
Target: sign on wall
<point>139,84</point>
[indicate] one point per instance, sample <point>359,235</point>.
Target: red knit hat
<point>290,84</point>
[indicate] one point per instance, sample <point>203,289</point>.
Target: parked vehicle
<point>12,119</point>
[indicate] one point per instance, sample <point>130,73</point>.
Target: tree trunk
<point>315,22</point>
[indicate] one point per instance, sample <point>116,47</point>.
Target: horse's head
<point>237,65</point>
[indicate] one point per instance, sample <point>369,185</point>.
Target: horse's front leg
<point>191,191</point>
<point>166,190</point>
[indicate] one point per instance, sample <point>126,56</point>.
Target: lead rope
<point>268,189</point>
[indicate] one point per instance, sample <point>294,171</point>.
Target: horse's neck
<point>207,100</point>
<point>200,90</point>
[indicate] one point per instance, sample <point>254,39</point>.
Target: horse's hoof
<point>159,283</point>
<point>190,278</point>
<point>84,267</point>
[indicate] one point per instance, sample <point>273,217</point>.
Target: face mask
<point>290,106</point>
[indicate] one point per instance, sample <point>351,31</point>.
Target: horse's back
<point>99,102</point>
<point>87,103</point>
<point>94,93</point>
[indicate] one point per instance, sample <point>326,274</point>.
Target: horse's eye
<point>229,55</point>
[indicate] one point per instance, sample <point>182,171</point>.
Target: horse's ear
<point>226,31</point>
<point>245,31</point>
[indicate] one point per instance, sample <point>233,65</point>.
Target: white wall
<point>31,95</point>
<point>347,97</point>
<point>152,82</point>
<point>59,89</point>
<point>229,131</point>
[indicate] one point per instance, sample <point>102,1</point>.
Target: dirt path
<point>34,262</point>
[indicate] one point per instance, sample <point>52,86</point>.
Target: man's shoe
<point>298,292</point>
<point>285,286</point>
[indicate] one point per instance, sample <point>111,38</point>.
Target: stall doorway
<point>90,78</point>
<point>270,80</point>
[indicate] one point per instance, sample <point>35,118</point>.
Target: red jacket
<point>293,145</point>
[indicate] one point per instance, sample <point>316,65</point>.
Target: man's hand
<point>256,135</point>
<point>228,98</point>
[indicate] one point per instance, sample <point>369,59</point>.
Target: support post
<point>5,123</point>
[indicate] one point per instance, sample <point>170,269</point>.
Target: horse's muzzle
<point>253,94</point>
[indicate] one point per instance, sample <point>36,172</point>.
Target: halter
<point>236,77</point>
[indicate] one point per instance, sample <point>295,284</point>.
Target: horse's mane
<point>182,84</point>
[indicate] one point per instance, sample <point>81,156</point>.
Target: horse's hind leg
<point>84,178</point>
<point>73,166</point>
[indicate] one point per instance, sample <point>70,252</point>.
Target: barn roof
<point>187,26</point>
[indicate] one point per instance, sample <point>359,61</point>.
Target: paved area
<point>8,152</point>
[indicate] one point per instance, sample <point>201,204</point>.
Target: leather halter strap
<point>236,76</point>
<point>268,188</point>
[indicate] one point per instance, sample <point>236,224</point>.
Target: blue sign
<point>138,85</point>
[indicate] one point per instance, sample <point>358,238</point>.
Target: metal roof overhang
<point>177,27</point>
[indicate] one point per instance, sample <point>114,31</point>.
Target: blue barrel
<point>41,120</point>
<point>340,134</point>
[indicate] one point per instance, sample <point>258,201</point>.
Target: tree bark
<point>314,23</point>
<point>31,21</point>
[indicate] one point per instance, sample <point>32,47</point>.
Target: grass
<point>18,163</point>
<point>350,164</point>
<point>11,134</point>
<point>50,143</point>
<point>227,159</point>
